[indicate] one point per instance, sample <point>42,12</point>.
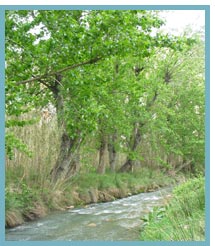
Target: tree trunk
<point>134,142</point>
<point>136,137</point>
<point>67,163</point>
<point>128,166</point>
<point>112,152</point>
<point>112,137</point>
<point>68,159</point>
<point>103,147</point>
<point>112,157</point>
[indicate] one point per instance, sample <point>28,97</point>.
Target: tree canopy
<point>110,75</point>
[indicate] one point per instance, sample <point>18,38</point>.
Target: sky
<point>178,20</point>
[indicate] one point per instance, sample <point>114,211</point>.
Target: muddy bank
<point>39,209</point>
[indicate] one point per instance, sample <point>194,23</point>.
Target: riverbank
<point>183,219</point>
<point>117,220</point>
<point>28,201</point>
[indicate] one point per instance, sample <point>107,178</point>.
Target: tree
<point>176,125</point>
<point>65,57</point>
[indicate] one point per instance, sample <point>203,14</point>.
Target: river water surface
<point>111,221</point>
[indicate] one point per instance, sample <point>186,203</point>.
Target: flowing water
<point>111,221</point>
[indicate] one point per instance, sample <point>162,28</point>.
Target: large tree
<point>77,60</point>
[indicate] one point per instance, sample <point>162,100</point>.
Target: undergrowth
<point>183,219</point>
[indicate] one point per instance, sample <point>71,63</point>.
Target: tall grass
<point>42,140</point>
<point>28,177</point>
<point>183,219</point>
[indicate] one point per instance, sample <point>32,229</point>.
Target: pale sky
<point>177,20</point>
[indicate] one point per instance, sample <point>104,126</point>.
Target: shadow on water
<point>111,221</point>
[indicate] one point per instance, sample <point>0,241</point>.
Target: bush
<point>22,198</point>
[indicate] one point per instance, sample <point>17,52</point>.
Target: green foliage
<point>118,180</point>
<point>22,198</point>
<point>195,190</point>
<point>13,142</point>
<point>177,118</point>
<point>154,216</point>
<point>92,93</point>
<point>182,219</point>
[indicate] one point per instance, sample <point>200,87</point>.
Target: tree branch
<point>41,81</point>
<point>94,60</point>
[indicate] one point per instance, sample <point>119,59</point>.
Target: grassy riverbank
<point>28,200</point>
<point>183,219</point>
<point>30,194</point>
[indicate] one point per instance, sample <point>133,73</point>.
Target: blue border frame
<point>106,7</point>
<point>2,125</point>
<point>207,121</point>
<point>206,8</point>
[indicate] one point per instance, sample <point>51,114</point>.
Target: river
<point>111,221</point>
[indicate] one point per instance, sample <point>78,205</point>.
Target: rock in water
<point>92,225</point>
